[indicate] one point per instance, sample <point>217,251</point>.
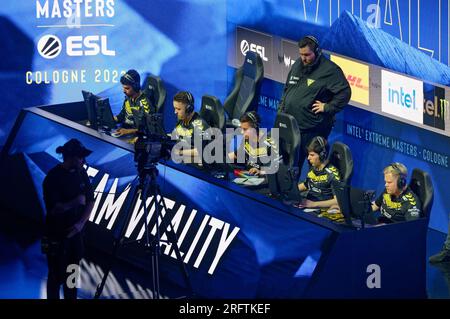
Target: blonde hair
<point>396,169</point>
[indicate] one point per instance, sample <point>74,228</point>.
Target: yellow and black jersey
<point>188,132</point>
<point>262,155</point>
<point>140,103</point>
<point>319,183</point>
<point>405,207</point>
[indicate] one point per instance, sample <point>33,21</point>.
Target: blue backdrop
<point>188,43</point>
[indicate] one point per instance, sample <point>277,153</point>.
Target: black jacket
<point>323,81</point>
<point>60,186</point>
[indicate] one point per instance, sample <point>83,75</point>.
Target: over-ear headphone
<point>134,84</point>
<point>323,154</point>
<point>401,180</point>
<point>317,49</point>
<point>190,104</point>
<point>254,120</point>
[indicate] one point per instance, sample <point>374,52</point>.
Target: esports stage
<point>234,242</point>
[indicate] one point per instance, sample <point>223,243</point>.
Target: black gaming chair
<point>341,157</point>
<point>421,185</point>
<point>289,138</point>
<point>244,96</point>
<point>212,112</point>
<point>283,182</point>
<point>154,89</point>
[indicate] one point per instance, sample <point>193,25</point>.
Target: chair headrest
<point>289,136</point>
<point>288,127</point>
<point>212,111</point>
<point>341,157</point>
<point>422,186</point>
<point>251,63</point>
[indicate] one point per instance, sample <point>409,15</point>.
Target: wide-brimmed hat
<point>73,148</point>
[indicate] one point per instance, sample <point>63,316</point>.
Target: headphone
<point>135,85</point>
<point>401,181</point>
<point>317,50</point>
<point>254,120</point>
<point>323,154</point>
<point>190,102</point>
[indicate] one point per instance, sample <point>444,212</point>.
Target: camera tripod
<point>147,186</point>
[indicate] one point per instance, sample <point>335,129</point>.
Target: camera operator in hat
<point>69,199</point>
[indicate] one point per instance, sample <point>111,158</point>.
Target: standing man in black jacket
<point>316,89</point>
<point>69,199</point>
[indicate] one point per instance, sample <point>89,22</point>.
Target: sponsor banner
<point>435,106</point>
<point>289,54</point>
<point>357,75</point>
<point>257,42</point>
<point>423,153</point>
<point>402,96</point>
<point>73,36</point>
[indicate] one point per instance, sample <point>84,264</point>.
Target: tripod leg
<point>100,287</point>
<point>147,186</point>
<point>173,239</point>
<point>118,240</point>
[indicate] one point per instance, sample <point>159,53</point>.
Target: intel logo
<point>402,97</point>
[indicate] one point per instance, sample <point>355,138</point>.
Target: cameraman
<point>69,199</point>
<point>135,99</point>
<point>189,128</point>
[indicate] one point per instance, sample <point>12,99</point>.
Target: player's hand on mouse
<point>253,171</point>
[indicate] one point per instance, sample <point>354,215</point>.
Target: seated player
<point>320,178</point>
<point>135,99</point>
<point>257,148</point>
<point>398,202</point>
<point>189,129</point>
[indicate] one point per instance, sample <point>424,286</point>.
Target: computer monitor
<point>89,101</point>
<point>105,117</point>
<point>99,112</point>
<point>354,203</point>
<point>149,124</point>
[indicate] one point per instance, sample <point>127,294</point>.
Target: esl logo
<point>402,96</point>
<point>50,46</point>
<point>245,46</point>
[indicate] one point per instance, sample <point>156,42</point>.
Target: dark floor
<point>23,269</point>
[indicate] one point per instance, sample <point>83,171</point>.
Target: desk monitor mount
<point>99,112</point>
<point>353,203</point>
